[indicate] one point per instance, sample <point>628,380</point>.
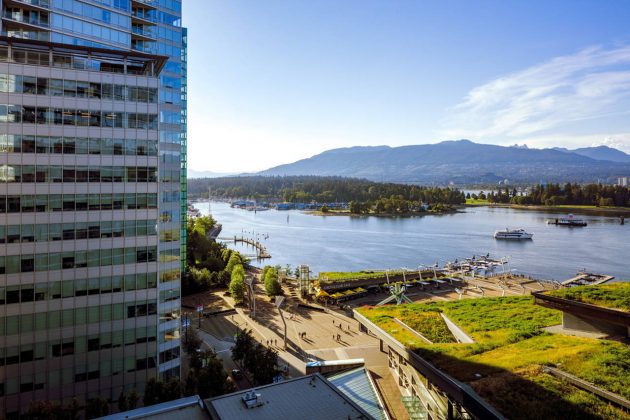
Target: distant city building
<point>623,181</point>
<point>92,164</point>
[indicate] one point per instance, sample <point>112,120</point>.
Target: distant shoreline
<point>384,215</point>
<point>586,210</point>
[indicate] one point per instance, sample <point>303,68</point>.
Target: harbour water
<point>345,243</point>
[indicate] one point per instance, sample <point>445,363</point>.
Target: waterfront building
<point>92,187</point>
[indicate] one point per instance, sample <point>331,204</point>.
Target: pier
<point>583,278</point>
<point>261,250</point>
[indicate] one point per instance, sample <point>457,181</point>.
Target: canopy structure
<point>322,293</point>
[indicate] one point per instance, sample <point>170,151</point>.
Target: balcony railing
<point>19,18</point>
<point>149,32</point>
<point>38,3</point>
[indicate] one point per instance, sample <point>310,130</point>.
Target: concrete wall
<point>581,323</point>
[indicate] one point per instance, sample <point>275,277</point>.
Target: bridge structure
<point>261,250</point>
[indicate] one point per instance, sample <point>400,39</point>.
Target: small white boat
<point>512,234</point>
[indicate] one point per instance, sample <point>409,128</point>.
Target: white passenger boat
<point>512,234</point>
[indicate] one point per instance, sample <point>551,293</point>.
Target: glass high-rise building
<point>92,197</point>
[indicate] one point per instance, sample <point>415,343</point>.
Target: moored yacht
<point>512,234</point>
<point>568,221</point>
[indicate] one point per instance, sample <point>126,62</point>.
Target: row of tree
<point>569,194</point>
<point>306,189</point>
<point>396,205</point>
<point>205,258</point>
<point>209,264</point>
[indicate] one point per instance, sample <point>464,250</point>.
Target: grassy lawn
<point>345,275</point>
<point>614,296</point>
<point>349,275</point>
<point>505,363</point>
<point>334,276</point>
<point>476,202</point>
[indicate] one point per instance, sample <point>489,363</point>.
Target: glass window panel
<point>70,88</point>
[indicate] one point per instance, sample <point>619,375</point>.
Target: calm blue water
<point>343,243</point>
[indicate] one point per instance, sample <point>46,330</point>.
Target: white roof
<point>310,397</point>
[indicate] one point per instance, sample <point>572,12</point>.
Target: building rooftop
<point>310,396</point>
<point>611,296</point>
<point>188,408</point>
<point>504,364</point>
<point>357,385</point>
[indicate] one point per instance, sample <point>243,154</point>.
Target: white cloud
<point>616,141</point>
<point>619,141</point>
<point>583,87</point>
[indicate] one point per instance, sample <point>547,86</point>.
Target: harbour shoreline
<point>585,210</point>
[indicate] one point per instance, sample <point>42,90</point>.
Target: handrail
<point>458,391</point>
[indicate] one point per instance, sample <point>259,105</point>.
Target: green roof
<point>504,365</point>
<point>612,296</point>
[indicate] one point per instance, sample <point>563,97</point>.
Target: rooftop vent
<point>252,399</point>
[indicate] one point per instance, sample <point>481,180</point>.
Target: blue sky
<point>273,81</point>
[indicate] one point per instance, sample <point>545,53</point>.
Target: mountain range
<point>464,162</point>
<point>207,174</point>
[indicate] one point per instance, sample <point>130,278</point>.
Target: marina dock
<point>261,250</point>
<point>583,278</point>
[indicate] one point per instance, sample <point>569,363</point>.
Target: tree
<point>133,399</point>
<point>172,390</point>
<point>262,362</point>
<point>237,285</point>
<point>235,260</point>
<point>96,407</point>
<point>206,377</point>
<point>192,342</point>
<point>123,402</point>
<point>243,345</point>
<point>158,392</point>
<point>44,410</point>
<point>270,279</point>
<point>152,392</point>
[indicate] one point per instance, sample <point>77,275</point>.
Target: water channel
<point>345,243</point>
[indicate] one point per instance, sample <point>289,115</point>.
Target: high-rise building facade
<point>92,190</point>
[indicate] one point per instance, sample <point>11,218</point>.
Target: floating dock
<point>587,279</point>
